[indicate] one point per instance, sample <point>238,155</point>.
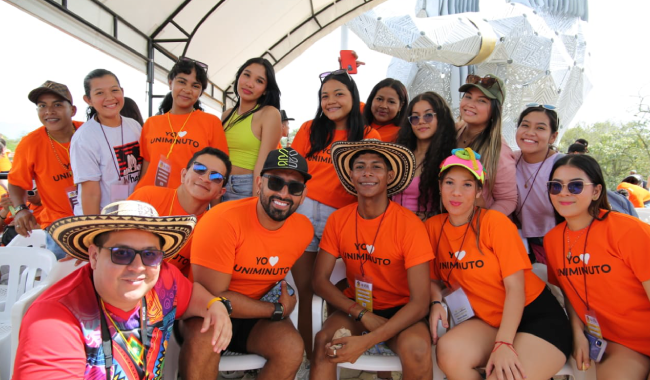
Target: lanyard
<point>176,135</point>
<point>442,230</point>
<point>534,178</point>
<point>584,266</point>
<point>356,235</point>
<point>110,148</point>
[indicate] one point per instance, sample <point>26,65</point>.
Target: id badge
<point>363,292</point>
<point>459,306</point>
<point>71,193</point>
<point>119,191</point>
<point>593,328</point>
<point>163,171</point>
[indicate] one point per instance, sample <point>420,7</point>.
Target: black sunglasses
<point>415,119</point>
<point>202,65</point>
<point>276,183</point>
<point>201,169</point>
<point>574,187</point>
<point>324,75</point>
<point>125,256</point>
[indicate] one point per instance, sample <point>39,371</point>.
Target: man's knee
<point>192,335</point>
<point>415,349</point>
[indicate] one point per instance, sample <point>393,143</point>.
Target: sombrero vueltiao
<point>76,233</point>
<point>401,159</point>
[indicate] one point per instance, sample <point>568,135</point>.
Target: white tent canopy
<point>150,35</point>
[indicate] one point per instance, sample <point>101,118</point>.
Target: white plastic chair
<point>25,266</point>
<point>36,239</point>
<point>59,270</point>
<point>230,361</point>
<point>644,214</point>
<point>367,362</point>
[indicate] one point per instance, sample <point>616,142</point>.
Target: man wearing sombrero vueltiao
<point>386,253</point>
<point>113,318</point>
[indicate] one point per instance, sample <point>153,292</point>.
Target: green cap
<point>495,90</point>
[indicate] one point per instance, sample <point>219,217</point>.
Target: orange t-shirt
<point>35,160</point>
<point>325,186</point>
<point>387,132</point>
<point>231,240</point>
<point>481,274</point>
<point>617,264</point>
<point>202,130</point>
<point>401,243</point>
<point>638,195</point>
<point>165,201</point>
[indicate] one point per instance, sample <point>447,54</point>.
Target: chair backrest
<point>338,273</point>
<point>59,270</point>
<point>644,214</point>
<point>36,262</point>
<point>36,239</point>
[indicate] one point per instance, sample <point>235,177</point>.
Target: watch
<point>278,312</point>
<point>21,208</point>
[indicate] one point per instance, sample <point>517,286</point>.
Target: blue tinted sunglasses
<point>545,106</point>
<point>201,169</point>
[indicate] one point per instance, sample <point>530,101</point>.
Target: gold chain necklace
<point>56,154</point>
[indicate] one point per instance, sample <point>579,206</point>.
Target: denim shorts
<point>318,214</point>
<point>239,186</point>
<point>54,247</point>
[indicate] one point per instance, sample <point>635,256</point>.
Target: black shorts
<point>388,313</point>
<point>241,330</point>
<point>545,318</point>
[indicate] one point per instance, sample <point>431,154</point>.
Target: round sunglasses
<point>574,187</point>
<point>415,119</point>
<point>276,183</point>
<point>125,255</point>
<point>201,169</point>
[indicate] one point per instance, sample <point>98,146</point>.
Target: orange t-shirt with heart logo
<point>231,240</point>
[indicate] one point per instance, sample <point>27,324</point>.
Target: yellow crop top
<point>243,146</point>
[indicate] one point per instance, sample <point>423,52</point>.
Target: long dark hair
<point>402,94</point>
<point>591,168</point>
<point>97,73</point>
<point>131,110</point>
<point>442,142</point>
<point>271,96</point>
<point>184,66</point>
<point>322,129</point>
<point>551,114</point>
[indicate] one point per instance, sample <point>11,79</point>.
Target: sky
<point>34,52</point>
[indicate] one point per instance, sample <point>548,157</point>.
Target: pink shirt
<point>409,197</point>
<point>534,209</point>
<point>504,192</point>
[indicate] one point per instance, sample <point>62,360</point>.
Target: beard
<point>274,213</point>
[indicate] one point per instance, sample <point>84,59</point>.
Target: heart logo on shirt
<point>182,134</point>
<point>370,248</point>
<point>273,260</point>
<point>585,258</point>
<point>459,255</point>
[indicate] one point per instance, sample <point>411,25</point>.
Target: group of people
<point>421,208</point>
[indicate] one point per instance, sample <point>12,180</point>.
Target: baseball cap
<point>490,85</point>
<point>467,159</point>
<point>52,88</point>
<point>286,158</point>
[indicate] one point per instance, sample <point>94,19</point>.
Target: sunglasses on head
<point>574,187</point>
<point>324,75</point>
<point>201,169</point>
<point>198,63</point>
<point>486,82</point>
<point>276,183</point>
<point>545,106</point>
<point>427,117</point>
<point>125,256</point>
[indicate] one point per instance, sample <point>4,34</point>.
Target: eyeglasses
<point>202,65</point>
<point>486,82</point>
<point>324,75</point>
<point>201,169</point>
<point>276,183</point>
<point>545,106</point>
<point>125,256</point>
<point>415,119</point>
<point>574,187</point>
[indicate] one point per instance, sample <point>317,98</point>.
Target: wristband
<point>500,343</point>
<point>21,208</point>
<point>215,299</point>
<point>350,309</point>
<point>435,302</point>
<point>361,314</point>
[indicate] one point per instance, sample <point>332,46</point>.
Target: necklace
<point>356,235</point>
<point>56,154</point>
<point>568,242</point>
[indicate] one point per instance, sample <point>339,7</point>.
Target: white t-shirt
<point>97,156</point>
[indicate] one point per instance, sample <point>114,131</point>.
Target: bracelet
<point>215,299</point>
<point>350,308</point>
<point>500,343</point>
<point>361,314</point>
<point>435,302</point>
